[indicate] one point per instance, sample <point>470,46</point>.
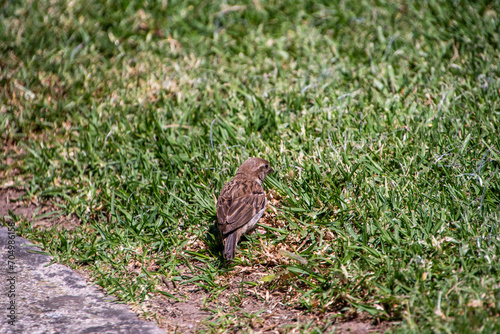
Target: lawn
<point>381,120</point>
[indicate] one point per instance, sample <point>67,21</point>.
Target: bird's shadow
<point>213,240</point>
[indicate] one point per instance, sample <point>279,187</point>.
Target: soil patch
<point>44,215</point>
<point>242,307</point>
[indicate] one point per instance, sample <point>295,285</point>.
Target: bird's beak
<point>271,171</point>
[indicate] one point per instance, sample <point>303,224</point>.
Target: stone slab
<point>52,298</point>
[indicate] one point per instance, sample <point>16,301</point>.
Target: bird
<point>242,203</point>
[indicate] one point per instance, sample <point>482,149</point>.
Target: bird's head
<point>255,168</point>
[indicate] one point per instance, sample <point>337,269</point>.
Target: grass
<point>380,118</point>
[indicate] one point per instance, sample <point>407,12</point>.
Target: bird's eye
<point>266,166</point>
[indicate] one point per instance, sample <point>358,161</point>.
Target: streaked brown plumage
<point>241,203</point>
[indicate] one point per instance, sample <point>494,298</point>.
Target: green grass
<point>380,118</point>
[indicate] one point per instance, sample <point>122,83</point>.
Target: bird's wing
<point>238,204</point>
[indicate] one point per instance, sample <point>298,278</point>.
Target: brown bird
<point>241,203</point>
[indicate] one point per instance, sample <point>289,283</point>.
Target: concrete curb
<point>39,298</point>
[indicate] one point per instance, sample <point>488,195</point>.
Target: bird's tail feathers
<point>230,246</point>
